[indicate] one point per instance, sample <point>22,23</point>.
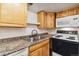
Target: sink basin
<point>33,39</point>
<point>36,38</point>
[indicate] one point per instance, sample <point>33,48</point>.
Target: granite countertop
<point>22,44</point>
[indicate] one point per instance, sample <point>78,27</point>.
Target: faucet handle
<point>34,32</point>
<point>31,39</point>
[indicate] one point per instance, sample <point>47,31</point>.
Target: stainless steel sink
<point>33,39</point>
<point>36,38</point>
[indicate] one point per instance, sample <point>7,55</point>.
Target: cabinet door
<point>60,14</point>
<point>13,13</point>
<point>45,50</point>
<point>37,52</point>
<point>68,12</point>
<point>40,49</point>
<point>41,16</point>
<point>50,20</point>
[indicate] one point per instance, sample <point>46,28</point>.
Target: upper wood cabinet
<point>46,20</point>
<point>68,12</point>
<point>41,18</point>
<point>13,14</point>
<point>50,20</point>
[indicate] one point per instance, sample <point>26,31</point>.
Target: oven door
<point>65,48</point>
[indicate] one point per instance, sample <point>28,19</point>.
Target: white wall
<point>14,32</point>
<point>11,32</point>
<point>32,18</point>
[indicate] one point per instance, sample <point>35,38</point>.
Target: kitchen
<point>39,29</point>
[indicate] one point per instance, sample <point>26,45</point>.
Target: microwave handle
<point>75,18</point>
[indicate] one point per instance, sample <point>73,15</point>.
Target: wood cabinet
<point>68,12</point>
<point>50,21</point>
<point>37,52</point>
<point>40,49</point>
<point>41,18</point>
<point>46,20</point>
<point>13,14</point>
<point>45,49</point>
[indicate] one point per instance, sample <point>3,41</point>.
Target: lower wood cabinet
<point>40,49</point>
<point>45,50</point>
<point>37,52</point>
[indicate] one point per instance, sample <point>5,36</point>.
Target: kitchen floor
<point>55,54</point>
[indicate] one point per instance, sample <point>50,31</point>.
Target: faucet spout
<point>34,32</point>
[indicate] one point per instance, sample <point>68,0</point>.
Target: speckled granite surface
<point>11,45</point>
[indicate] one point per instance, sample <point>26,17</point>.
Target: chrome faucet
<point>34,35</point>
<point>34,32</point>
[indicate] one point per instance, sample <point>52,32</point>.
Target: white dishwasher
<point>23,52</point>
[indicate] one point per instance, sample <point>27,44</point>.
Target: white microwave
<point>69,21</point>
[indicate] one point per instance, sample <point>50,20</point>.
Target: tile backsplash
<point>15,32</point>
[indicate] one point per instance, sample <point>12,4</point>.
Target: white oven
<point>66,42</point>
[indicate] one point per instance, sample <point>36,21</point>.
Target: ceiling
<point>51,7</point>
